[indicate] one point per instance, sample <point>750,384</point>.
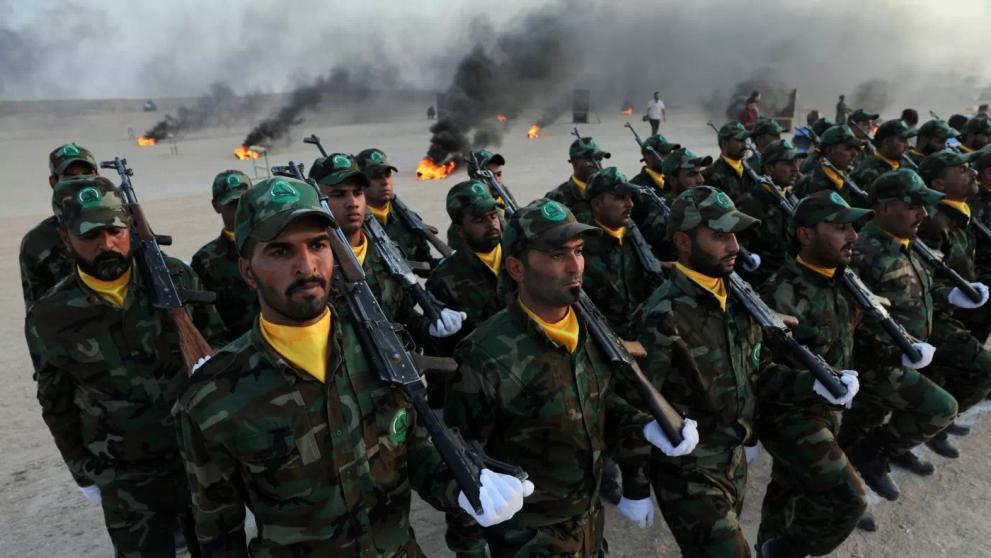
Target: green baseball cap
<point>87,203</point>
<point>470,196</point>
<point>484,157</point>
<point>270,205</point>
<point>983,159</point>
<point>861,115</point>
<point>609,181</point>
<point>820,126</point>
<point>829,207</point>
<point>840,135</point>
<point>336,168</point>
<point>683,159</point>
<point>372,161</point>
<point>586,148</point>
<point>706,206</point>
<point>905,185</point>
<point>229,186</point>
<point>938,129</point>
<point>933,165</point>
<point>65,155</point>
<point>978,125</point>
<point>767,126</point>
<point>894,128</point>
<point>660,144</point>
<point>733,130</point>
<point>781,150</point>
<point>542,225</point>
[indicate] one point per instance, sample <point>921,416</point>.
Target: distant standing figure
<point>751,111</point>
<point>842,110</point>
<point>982,109</point>
<point>656,112</point>
<point>431,112</point>
<point>813,115</point>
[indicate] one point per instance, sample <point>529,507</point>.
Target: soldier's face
<point>496,169</point>
<point>481,232</point>
<point>958,183</point>
<point>552,278</point>
<point>708,251</point>
<point>733,148</point>
<point>380,191</point>
<point>928,146</point>
<point>104,253</point>
<point>652,162</point>
<point>828,244</point>
<point>292,273</point>
<point>347,203</point>
<point>894,147</point>
<point>899,218</point>
<point>583,168</point>
<point>689,178</point>
<point>75,169</point>
<point>764,140</point>
<point>860,128</point>
<point>842,155</point>
<point>612,210</point>
<point>977,140</point>
<point>227,213</point>
<point>785,173</point>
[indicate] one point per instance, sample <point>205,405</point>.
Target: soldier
<point>814,498</point>
<point>585,157</point>
<point>494,163</point>
<point>980,205</point>
<point>932,137</point>
<point>534,389</point>
<point>680,170</point>
<point>891,143</point>
<point>216,262</point>
<point>684,170</point>
<point>976,134</point>
<point>651,175</point>
<point>769,239</point>
<point>861,122</point>
<point>841,147</point>
<point>766,132</point>
<point>842,110</point>
<point>704,353</point>
<point>109,369</point>
<point>819,127</point>
<point>727,172</point>
<point>43,258</point>
<point>291,421</point>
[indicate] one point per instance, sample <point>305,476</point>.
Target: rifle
<point>905,160</point>
<point>164,293</point>
<point>408,216</point>
<point>658,201</point>
<point>509,202</point>
<point>394,365</point>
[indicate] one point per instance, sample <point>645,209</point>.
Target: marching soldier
<point>727,173</point>
<point>933,136</point>
<point>819,127</point>
<point>652,173</point>
<point>976,134</point>
<point>109,369</point>
<point>494,163</point>
<point>681,170</point>
<point>891,143</point>
<point>684,170</point>
<point>841,147</point>
<point>216,262</point>
<point>321,450</point>
<point>980,206</point>
<point>766,131</point>
<point>585,157</point>
<point>862,122</point>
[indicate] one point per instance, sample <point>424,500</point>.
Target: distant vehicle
<point>149,106</point>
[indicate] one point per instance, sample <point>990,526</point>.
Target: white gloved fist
<point>501,497</point>
<point>92,493</point>
<point>926,352</point>
<point>639,512</point>
<point>849,379</point>
<point>753,264</point>
<point>198,364</point>
<point>751,453</point>
<point>689,435</point>
<point>960,300</point>
<point>448,324</point>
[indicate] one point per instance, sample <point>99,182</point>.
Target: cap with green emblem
<point>484,157</point>
<point>660,144</point>
<point>270,205</point>
<point>781,150</point>
<point>471,197</point>
<point>65,155</point>
<point>87,203</point>
<point>733,130</point>
<point>978,125</point>
<point>768,126</point>
<point>894,129</point>
<point>683,159</point>
<point>934,165</point>
<point>983,160</point>
<point>820,126</point>
<point>542,225</point>
<point>229,186</point>
<point>829,207</point>
<point>706,206</point>
<point>905,185</point>
<point>336,168</point>
<point>861,115</point>
<point>609,181</point>
<point>840,135</point>
<point>587,148</point>
<point>938,129</point>
<point>373,162</point>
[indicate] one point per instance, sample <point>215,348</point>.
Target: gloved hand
<point>448,324</point>
<point>960,300</point>
<point>751,453</point>
<point>501,497</point>
<point>198,364</point>
<point>639,512</point>
<point>849,378</point>
<point>92,493</point>
<point>689,434</point>
<point>926,351</point>
<point>752,264</point>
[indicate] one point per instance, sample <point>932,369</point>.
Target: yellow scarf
<point>657,177</point>
<point>492,259</point>
<point>618,234</point>
<point>961,206</point>
<point>736,164</point>
<point>581,185</point>
<point>919,153</point>
<point>824,271</point>
<point>563,333</point>
<point>113,291</point>
<point>904,241</point>
<point>361,250</point>
<point>893,164</point>
<point>229,235</point>
<point>834,177</point>
<point>306,347</point>
<point>966,149</point>
<point>382,214</point>
<point>715,285</point>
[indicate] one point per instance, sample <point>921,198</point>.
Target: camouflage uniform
<point>721,175</point>
<point>216,264</point>
<point>648,219</point>
<point>934,128</point>
<point>817,179</point>
<point>530,401</point>
<point>570,193</point>
<point>872,166</point>
<point>980,205</point>
<point>865,121</point>
<point>765,126</point>
<point>107,379</point>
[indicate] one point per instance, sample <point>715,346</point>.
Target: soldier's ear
<point>804,235</point>
<point>64,236</point>
<point>682,242</point>
<point>52,180</point>
<point>216,206</point>
<point>244,266</point>
<point>514,266</point>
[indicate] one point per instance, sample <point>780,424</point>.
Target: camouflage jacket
<point>811,162</point>
<point>326,468</point>
<point>237,303</point>
<point>980,206</point>
<point>397,303</point>
<point>870,167</point>
<point>651,222</point>
<point>463,282</point>
<point>722,176</point>
<point>412,243</point>
<point>710,364</point>
<point>771,239</point>
<point>915,156</point>
<point>44,260</point>
<point>108,377</point>
<point>817,181</point>
<point>950,232</point>
<point>573,198</point>
<point>615,280</point>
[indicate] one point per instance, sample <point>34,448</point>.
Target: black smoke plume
<point>871,95</point>
<point>220,107</point>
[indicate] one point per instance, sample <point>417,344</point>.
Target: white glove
<point>198,364</point>
<point>92,493</point>
<point>448,324</point>
<point>960,300</point>
<point>639,512</point>
<point>848,378</point>
<point>501,497</point>
<point>926,351</point>
<point>689,435</point>
<point>753,264</point>
<point>751,453</point>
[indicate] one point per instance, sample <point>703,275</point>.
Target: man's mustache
<point>304,282</point>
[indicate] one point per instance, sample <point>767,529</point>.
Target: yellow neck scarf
<point>833,176</point>
<point>919,153</point>
<point>581,185</point>
<point>904,241</point>
<point>715,285</point>
<point>563,333</point>
<point>618,234</point>
<point>492,259</point>
<point>306,347</point>
<point>657,177</point>
<point>361,250</point>
<point>966,149</point>
<point>961,206</point>
<point>229,235</point>
<point>381,213</point>
<point>824,271</point>
<point>113,291</point>
<point>736,164</point>
<point>893,164</point>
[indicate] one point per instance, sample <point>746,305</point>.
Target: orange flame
<point>428,170</point>
<point>532,132</point>
<point>628,111</point>
<point>146,141</point>
<point>501,117</point>
<point>245,152</point>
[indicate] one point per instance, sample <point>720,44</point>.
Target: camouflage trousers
<point>702,503</point>
<point>143,515</point>
<point>961,365</point>
<point>578,538</point>
<point>919,409</point>
<point>815,497</point>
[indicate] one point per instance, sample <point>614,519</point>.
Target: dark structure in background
<point>580,106</point>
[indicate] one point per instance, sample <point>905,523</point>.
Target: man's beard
<point>483,244</point>
<point>106,266</point>
<point>548,292</point>
<point>707,264</point>
<point>302,311</point>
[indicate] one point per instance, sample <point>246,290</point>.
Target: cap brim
<point>68,162</point>
<point>792,155</point>
<point>927,197</point>
<point>867,117</point>
<point>497,159</point>
<point>482,207</point>
<point>230,196</point>
<point>733,222</point>
<point>554,238</point>
<point>378,169</point>
<point>336,178</point>
<point>270,228</point>
<point>98,219</point>
<point>625,189</point>
<point>701,161</point>
<point>852,215</point>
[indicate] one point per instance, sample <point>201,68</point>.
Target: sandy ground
<point>42,513</point>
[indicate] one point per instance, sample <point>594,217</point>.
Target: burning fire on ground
<point>428,170</point>
<point>245,152</point>
<point>146,141</point>
<point>501,117</point>
<point>532,133</point>
<point>628,111</point>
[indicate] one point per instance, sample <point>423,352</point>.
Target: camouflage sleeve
<point>29,285</point>
<point>205,316</point>
<point>938,239</point>
<point>429,475</point>
<point>870,338</point>
<point>626,443</point>
<point>781,382</point>
<point>658,335</point>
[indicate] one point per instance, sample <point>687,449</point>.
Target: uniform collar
<point>581,185</point>
<point>961,207</point>
<point>335,340</point>
<point>714,287</point>
<point>735,164</point>
<point>827,272</point>
<point>895,165</point>
<point>835,177</point>
<point>657,177</point>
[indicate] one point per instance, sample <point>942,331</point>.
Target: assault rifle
<point>493,183</point>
